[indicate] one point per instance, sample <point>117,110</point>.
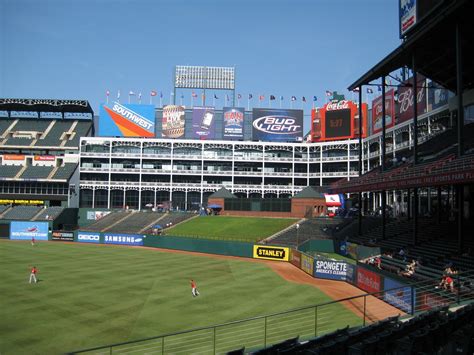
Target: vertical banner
<point>407,15</point>
<point>315,125</point>
<point>117,120</point>
<point>295,258</point>
<point>307,264</point>
<point>389,111</point>
<point>203,123</point>
<point>173,121</point>
<point>368,280</point>
<point>233,125</point>
<point>405,98</point>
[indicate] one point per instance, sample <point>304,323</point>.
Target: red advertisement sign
<point>45,158</point>
<point>405,98</point>
<point>389,111</point>
<point>295,258</point>
<point>315,125</point>
<point>13,157</point>
<point>368,280</point>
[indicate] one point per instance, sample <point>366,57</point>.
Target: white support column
<point>348,161</point>
<point>429,199</point>
<point>368,156</point>
<point>380,150</point>
<point>394,146</point>
<point>293,170</point>
<point>110,174</point>
<point>93,196</point>
<point>409,137</point>
<point>154,198</point>
<point>124,197</point>
<point>185,199</point>
<point>321,165</point>
<point>307,166</point>
<point>429,126</point>
<point>140,191</point>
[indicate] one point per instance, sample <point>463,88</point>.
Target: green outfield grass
<point>248,229</point>
<point>93,295</point>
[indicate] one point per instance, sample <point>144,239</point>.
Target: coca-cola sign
<point>405,98</point>
<point>337,105</point>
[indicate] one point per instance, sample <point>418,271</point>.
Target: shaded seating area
<point>136,222</point>
<point>22,212</point>
<point>49,213</point>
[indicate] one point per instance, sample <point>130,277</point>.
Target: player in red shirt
<point>32,240</point>
<point>194,290</point>
<point>34,271</point>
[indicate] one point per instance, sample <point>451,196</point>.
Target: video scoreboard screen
<point>338,123</point>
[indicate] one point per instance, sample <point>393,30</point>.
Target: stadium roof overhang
<point>434,47</point>
<point>46,105</point>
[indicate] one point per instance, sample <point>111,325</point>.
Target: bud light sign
<point>276,125</point>
<point>123,239</point>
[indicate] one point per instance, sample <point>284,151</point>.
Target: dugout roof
<point>434,45</point>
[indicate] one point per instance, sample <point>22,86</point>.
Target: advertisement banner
<point>117,120</point>
<point>368,280</point>
<point>277,125</point>
<point>307,264</point>
<point>96,215</point>
<point>401,297</point>
<point>123,239</point>
<point>64,236</point>
<point>328,269</point>
<point>45,158</point>
<point>21,202</point>
<point>88,237</point>
<point>437,95</point>
<point>13,157</point>
<point>173,121</point>
<point>28,230</point>
<point>407,13</point>
<point>295,258</point>
<point>315,125</point>
<point>430,300</point>
<point>389,111</point>
<point>204,123</point>
<point>405,98</point>
<point>233,125</point>
<point>271,253</point>
<point>351,272</point>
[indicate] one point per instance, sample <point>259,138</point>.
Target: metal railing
<point>305,322</point>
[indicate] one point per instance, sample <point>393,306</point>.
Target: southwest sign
<point>271,253</point>
<point>127,120</point>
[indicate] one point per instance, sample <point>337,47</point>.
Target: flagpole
<point>238,101</point>
<point>248,103</point>
<point>269,102</point>
<point>151,98</point>
<point>129,98</point>
<point>107,99</point>
<point>192,101</point>
<point>161,101</point>
<point>280,101</point>
<point>291,103</point>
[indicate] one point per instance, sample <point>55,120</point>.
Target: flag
<point>272,97</point>
<point>194,94</point>
<point>215,96</point>
<point>315,98</point>
<point>250,96</point>
<point>281,98</point>
<point>107,93</point>
<point>293,98</point>
<point>261,97</point>
<point>161,94</point>
<point>182,96</point>
<point>153,93</point>
<point>379,87</point>
<point>356,90</point>
<point>239,96</point>
<point>140,95</point>
<point>370,91</point>
<point>304,99</point>
<point>118,95</point>
<point>226,97</point>
<point>131,93</point>
<point>328,93</point>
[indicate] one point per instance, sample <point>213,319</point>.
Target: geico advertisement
<point>86,237</point>
<point>271,253</point>
<point>123,239</point>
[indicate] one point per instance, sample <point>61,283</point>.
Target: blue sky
<point>80,49</point>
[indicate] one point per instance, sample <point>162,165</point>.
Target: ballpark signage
<point>203,123</point>
<point>271,253</point>
<point>85,237</point>
<point>277,125</point>
<point>368,280</point>
<point>407,13</point>
<point>295,258</point>
<point>173,121</point>
<point>28,230</point>
<point>338,120</point>
<point>64,236</point>
<point>437,95</point>
<point>398,295</point>
<point>233,126</point>
<point>127,120</point>
<point>307,264</point>
<point>389,111</point>
<point>123,239</point>
<point>327,269</point>
<point>405,98</point>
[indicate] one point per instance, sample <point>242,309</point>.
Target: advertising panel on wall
<point>400,297</point>
<point>96,215</point>
<point>315,125</point>
<point>277,125</point>
<point>233,124</point>
<point>295,258</point>
<point>173,121</point>
<point>28,230</point>
<point>204,123</point>
<point>407,15</point>
<point>437,95</point>
<point>405,99</point>
<point>122,120</point>
<point>368,280</point>
<point>123,239</point>
<point>88,237</point>
<point>271,253</point>
<point>329,269</point>
<point>338,120</point>
<point>307,264</point>
<point>351,273</point>
<point>63,236</point>
<point>389,111</point>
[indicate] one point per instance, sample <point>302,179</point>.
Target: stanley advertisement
<point>271,253</point>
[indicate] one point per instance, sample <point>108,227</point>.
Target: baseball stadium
<point>166,229</point>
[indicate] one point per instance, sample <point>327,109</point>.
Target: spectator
<point>378,262</point>
<point>410,269</point>
<point>402,254</point>
<point>446,283</point>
